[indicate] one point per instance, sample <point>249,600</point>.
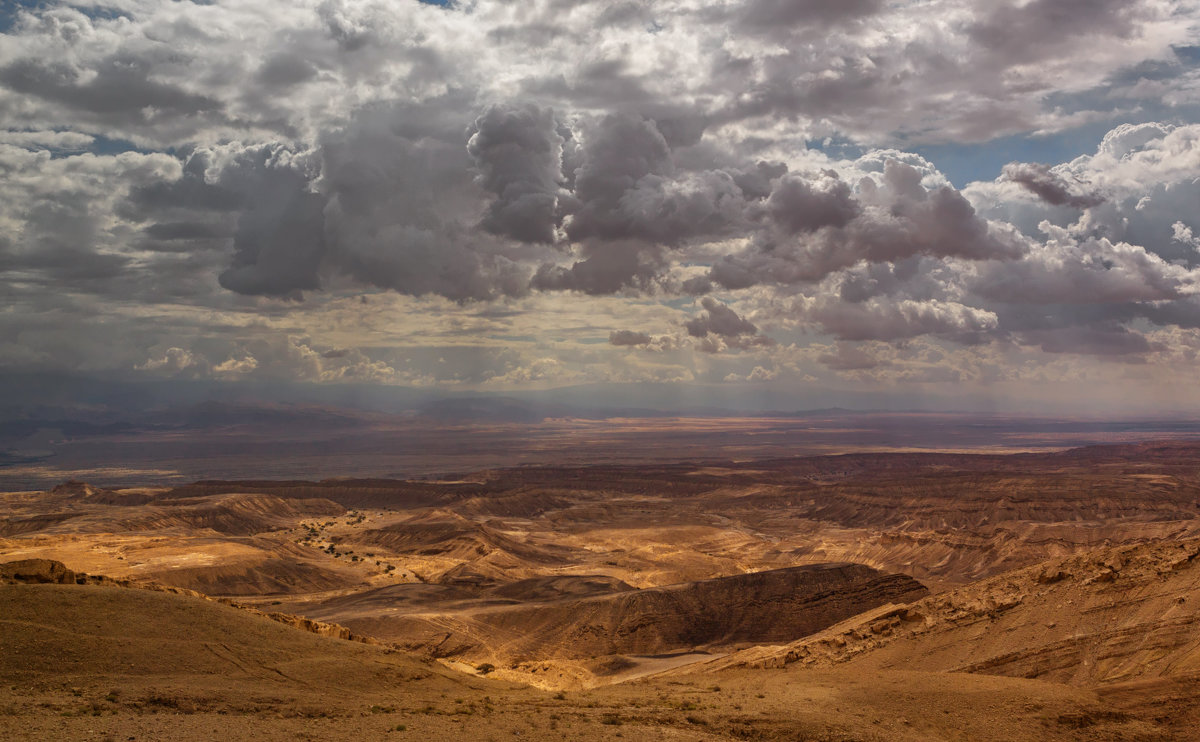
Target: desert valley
<point>1052,594</point>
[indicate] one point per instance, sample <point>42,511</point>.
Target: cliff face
<point>769,606</point>
<point>1110,615</point>
<point>38,572</point>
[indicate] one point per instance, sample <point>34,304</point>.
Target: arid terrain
<point>880,595</point>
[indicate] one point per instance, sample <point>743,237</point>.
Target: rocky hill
<point>1112,615</point>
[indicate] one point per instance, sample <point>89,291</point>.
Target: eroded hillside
<point>577,576</point>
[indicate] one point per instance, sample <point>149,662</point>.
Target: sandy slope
<point>96,662</point>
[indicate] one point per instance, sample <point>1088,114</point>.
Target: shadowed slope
<point>762,606</point>
<point>1110,615</point>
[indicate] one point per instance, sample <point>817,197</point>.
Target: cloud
<point>774,15</point>
<point>617,152</point>
<point>719,320</point>
<point>1096,271</point>
<point>606,268</point>
<point>718,328</point>
<point>170,361</point>
<point>382,201</point>
<point>800,205</point>
<point>628,337</point>
<point>1105,340</point>
<point>539,370</point>
<point>1037,29</point>
<point>848,357</point>
<point>235,367</point>
<point>1182,234</point>
<point>519,153</point>
<point>1042,181</point>
<point>377,176</point>
<point>280,238</point>
<point>891,320</point>
<point>889,220</point>
<point>58,140</point>
<point>118,90</point>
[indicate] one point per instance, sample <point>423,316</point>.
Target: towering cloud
<point>519,154</point>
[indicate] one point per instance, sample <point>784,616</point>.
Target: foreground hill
<point>109,662</point>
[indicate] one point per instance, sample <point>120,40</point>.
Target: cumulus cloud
<point>1042,181</point>
<point>802,205</point>
<point>718,328</point>
<point>617,152</point>
<point>1096,271</point>
<point>890,320</point>
<point>239,201</point>
<point>1182,234</point>
<point>819,232</point>
<point>629,337</point>
<point>235,367</point>
<point>519,153</point>
<point>170,361</point>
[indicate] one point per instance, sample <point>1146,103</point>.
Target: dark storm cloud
<point>1032,30</point>
<point>279,244</point>
<point>672,210</point>
<point>629,201</point>
<point>400,190</point>
<point>801,205</point>
<point>381,201</point>
<point>607,267</point>
<point>192,192</point>
<point>1049,186</point>
<point>628,337</point>
<point>60,264</point>
<point>119,90</point>
<point>173,231</point>
<point>519,153</point>
<point>618,151</point>
<point>755,181</point>
<point>285,69</point>
<point>1103,339</point>
<point>821,229</point>
<point>718,321</point>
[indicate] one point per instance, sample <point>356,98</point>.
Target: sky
<point>977,204</point>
